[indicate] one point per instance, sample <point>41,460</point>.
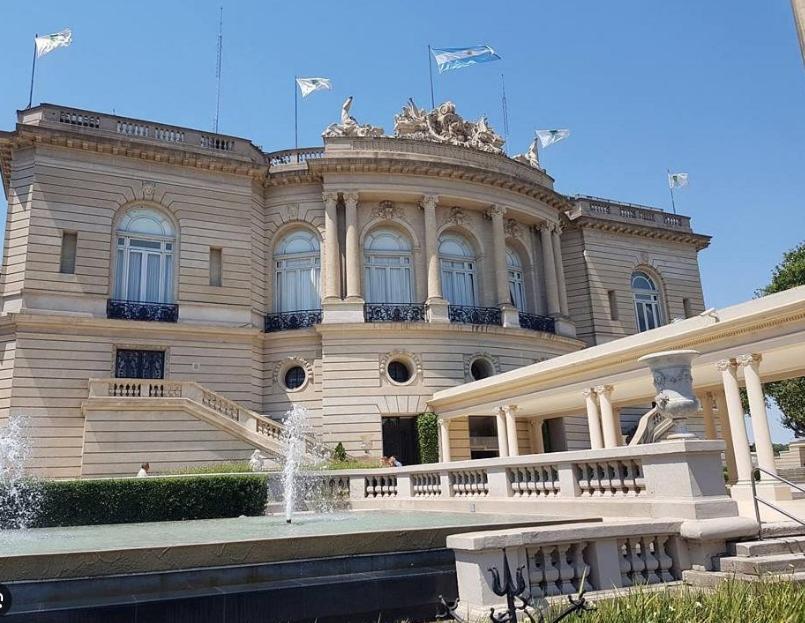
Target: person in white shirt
<point>143,470</point>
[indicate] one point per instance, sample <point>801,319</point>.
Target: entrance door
<point>400,439</point>
<point>140,364</point>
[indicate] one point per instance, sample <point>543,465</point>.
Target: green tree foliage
<point>789,394</point>
<point>427,428</point>
<point>339,454</point>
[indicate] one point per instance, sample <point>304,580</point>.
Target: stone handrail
<point>294,156</point>
<point>190,390</point>
<point>658,479</point>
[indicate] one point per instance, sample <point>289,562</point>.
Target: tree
<point>789,394</point>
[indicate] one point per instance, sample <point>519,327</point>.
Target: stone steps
<point>711,579</point>
<point>783,545</point>
<point>763,565</point>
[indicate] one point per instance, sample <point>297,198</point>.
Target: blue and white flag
<point>677,180</point>
<point>47,43</point>
<point>547,138</point>
<point>309,85</point>
<point>456,58</point>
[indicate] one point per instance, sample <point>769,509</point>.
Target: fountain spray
<point>293,441</point>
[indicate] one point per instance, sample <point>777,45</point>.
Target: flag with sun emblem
<point>456,58</point>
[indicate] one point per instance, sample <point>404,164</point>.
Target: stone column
<point>511,430</point>
<point>757,411</point>
<point>593,420</point>
<point>560,270</point>
<point>740,442</point>
<point>609,426</point>
<point>707,415</point>
<point>726,435</point>
<point>437,306</point>
<point>509,313</point>
<point>332,271</point>
<point>549,269</point>
<point>353,251</point>
<point>503,443</point>
<point>538,440</point>
<point>444,439</point>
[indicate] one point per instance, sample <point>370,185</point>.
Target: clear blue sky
<point>716,89</point>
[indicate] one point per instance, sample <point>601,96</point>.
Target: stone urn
<point>674,384</point>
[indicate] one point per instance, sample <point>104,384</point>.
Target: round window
<point>481,368</point>
<point>295,377</point>
<point>399,372</point>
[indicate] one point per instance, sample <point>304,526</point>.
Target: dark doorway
<point>140,364</point>
<point>400,439</point>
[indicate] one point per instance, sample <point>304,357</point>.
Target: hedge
<point>427,427</point>
<point>131,500</point>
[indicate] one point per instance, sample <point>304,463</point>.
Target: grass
<point>368,463</point>
<point>732,602</point>
<point>220,468</point>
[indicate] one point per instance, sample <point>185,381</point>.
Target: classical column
<point>444,439</point>
<point>495,214</point>
<point>353,251</point>
<point>511,430</point>
<point>431,248</point>
<point>609,426</point>
<point>707,415</point>
<point>726,435</point>
<point>560,269</point>
<point>331,252</point>
<point>503,443</point>
<point>593,420</point>
<point>740,442</point>
<point>535,432</point>
<point>549,269</point>
<point>757,411</point>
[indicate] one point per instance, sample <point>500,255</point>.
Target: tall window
<point>387,267</point>
<point>646,302</point>
<point>516,287</point>
<point>457,261</point>
<point>297,263</point>
<point>145,250</point>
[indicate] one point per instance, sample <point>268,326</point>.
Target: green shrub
<point>217,468</point>
<point>340,454</point>
<point>90,502</point>
<point>427,427</point>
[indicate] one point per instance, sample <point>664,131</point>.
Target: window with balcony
<point>144,267</point>
<point>647,305</point>
<point>387,267</point>
<point>457,260</point>
<point>516,281</point>
<point>297,262</point>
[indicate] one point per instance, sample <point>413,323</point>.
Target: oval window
<point>481,368</point>
<point>295,377</point>
<point>399,372</point>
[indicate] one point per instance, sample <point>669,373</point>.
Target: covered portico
<point>744,345</point>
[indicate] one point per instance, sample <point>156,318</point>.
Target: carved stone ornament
<point>531,157</point>
<point>386,210</point>
<point>512,228</point>
<point>148,190</point>
<point>457,216</point>
<point>349,126</point>
<point>443,125</point>
<point>671,371</point>
<point>293,211</point>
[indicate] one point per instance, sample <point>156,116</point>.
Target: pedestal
<point>342,312</point>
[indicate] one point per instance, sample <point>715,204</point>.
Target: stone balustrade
<point>680,478</point>
<point>630,213</point>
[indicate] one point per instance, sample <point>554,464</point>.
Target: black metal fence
<point>394,312</point>
<point>286,321</point>
<point>138,310</point>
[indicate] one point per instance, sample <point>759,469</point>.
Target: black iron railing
<point>474,315</point>
<point>138,310</point>
<point>394,312</point>
<point>536,322</point>
<point>287,321</point>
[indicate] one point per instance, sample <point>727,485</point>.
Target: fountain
<point>296,457</point>
<point>18,497</point>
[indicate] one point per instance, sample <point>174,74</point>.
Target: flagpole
<point>33,70</point>
<point>505,105</point>
<point>430,74</point>
<point>295,116</point>
<point>671,188</point>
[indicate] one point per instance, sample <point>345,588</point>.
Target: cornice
<point>700,241</point>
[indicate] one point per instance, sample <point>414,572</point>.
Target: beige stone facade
<point>489,268</point>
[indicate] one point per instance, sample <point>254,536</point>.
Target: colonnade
<point>550,242</point>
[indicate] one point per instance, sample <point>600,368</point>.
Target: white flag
<point>677,180</point>
<point>48,43</point>
<point>308,85</point>
<point>549,137</point>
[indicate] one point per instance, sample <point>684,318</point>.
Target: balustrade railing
<point>469,482</point>
<point>427,484</point>
<point>610,478</point>
<point>534,480</point>
<point>295,156</point>
<point>558,569</point>
<point>535,322</point>
<point>474,315</point>
<point>286,321</point>
<point>646,560</point>
<point>138,310</point>
<point>394,312</point>
<point>381,486</point>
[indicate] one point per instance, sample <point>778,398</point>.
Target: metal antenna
<point>218,69</point>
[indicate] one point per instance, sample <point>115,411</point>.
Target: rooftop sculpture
<point>349,125</point>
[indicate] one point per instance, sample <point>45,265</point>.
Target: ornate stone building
<point>225,284</point>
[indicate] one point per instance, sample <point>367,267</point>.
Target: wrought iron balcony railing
<point>537,323</point>
<point>139,310</point>
<point>474,315</point>
<point>394,312</point>
<point>287,321</point>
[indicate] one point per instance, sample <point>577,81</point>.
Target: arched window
<point>646,301</point>
<point>297,262</point>
<point>516,283</point>
<point>457,261</point>
<point>387,267</point>
<point>145,248</point>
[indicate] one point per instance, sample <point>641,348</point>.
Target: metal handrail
<point>756,499</point>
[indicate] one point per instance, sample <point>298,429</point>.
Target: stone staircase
<point>781,557</point>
